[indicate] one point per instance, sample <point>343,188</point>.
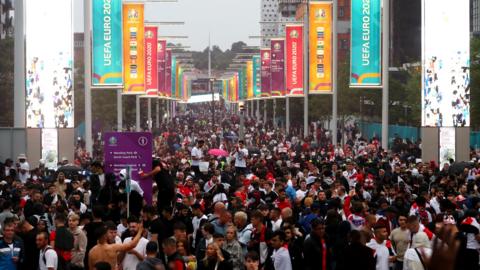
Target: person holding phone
<point>240,154</point>
<point>214,259</point>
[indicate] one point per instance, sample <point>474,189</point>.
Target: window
<point>344,44</point>
<point>341,12</point>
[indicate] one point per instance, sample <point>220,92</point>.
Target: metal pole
<point>241,134</point>
<point>19,119</point>
<point>119,111</point>
<point>252,109</point>
<point>157,113</point>
<point>306,74</point>
<point>149,113</point>
<point>274,113</point>
<point>287,118</point>
<point>167,109</point>
<point>258,110</point>
<point>265,111</point>
<point>210,88</point>
<point>361,114</point>
<point>334,76</point>
<point>88,75</point>
<point>385,64</point>
<point>137,113</point>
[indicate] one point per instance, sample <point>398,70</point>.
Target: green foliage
<point>474,82</point>
<point>220,59</point>
<point>6,82</point>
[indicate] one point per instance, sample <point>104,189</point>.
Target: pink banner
<point>294,61</point>
<point>168,73</point>
<point>151,77</point>
<point>265,73</point>
<point>277,67</point>
<point>161,53</point>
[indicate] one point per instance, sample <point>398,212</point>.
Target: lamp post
<point>385,64</point>
<point>241,132</point>
<point>88,74</point>
<point>306,74</point>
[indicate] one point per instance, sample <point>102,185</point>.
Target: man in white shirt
<point>48,259</point>
<point>276,219</point>
<point>136,255</point>
<point>134,185</point>
<point>380,246</point>
<point>302,192</point>
<point>198,218</point>
<point>280,256</point>
<point>435,201</point>
<point>241,155</point>
<point>420,247</point>
<point>197,156</point>
<point>351,175</point>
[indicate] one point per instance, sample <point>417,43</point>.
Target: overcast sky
<point>228,21</point>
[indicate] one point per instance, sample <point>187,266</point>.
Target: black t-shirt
<point>31,251</point>
<point>158,227</point>
<point>270,197</point>
<point>165,183</point>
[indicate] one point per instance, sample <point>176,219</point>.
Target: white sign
<point>445,63</point>
<point>50,148</point>
<point>447,145</point>
<point>49,64</point>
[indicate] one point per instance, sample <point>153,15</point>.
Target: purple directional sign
<point>134,149</point>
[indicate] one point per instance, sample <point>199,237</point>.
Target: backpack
<point>59,264</point>
<point>64,239</point>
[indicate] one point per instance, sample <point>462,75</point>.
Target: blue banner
<point>366,59</point>
<point>107,42</point>
<point>257,82</point>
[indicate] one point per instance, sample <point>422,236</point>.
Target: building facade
<point>275,15</point>
<point>6,19</point>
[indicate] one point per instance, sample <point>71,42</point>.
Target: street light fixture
<point>173,37</point>
<point>164,23</point>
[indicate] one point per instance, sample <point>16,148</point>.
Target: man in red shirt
<point>282,201</point>
<point>62,240</point>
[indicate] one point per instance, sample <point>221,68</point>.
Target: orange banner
<point>320,45</point>
<point>133,49</point>
<point>250,79</point>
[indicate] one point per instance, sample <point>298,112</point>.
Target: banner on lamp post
<point>168,73</point>
<point>249,76</point>
<point>257,87</point>
<point>294,60</point>
<point>151,66</point>
<point>161,53</point>
<point>366,44</point>
<point>320,47</point>
<point>107,42</point>
<point>265,74</point>
<point>133,48</point>
<point>277,67</point>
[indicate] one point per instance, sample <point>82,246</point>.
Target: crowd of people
<point>266,201</point>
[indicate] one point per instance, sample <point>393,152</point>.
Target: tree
<point>474,82</point>
<point>6,82</point>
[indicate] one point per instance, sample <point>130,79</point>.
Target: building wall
<point>475,18</point>
<point>275,14</point>
<point>6,19</point>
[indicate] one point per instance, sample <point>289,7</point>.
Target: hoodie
<point>149,264</point>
